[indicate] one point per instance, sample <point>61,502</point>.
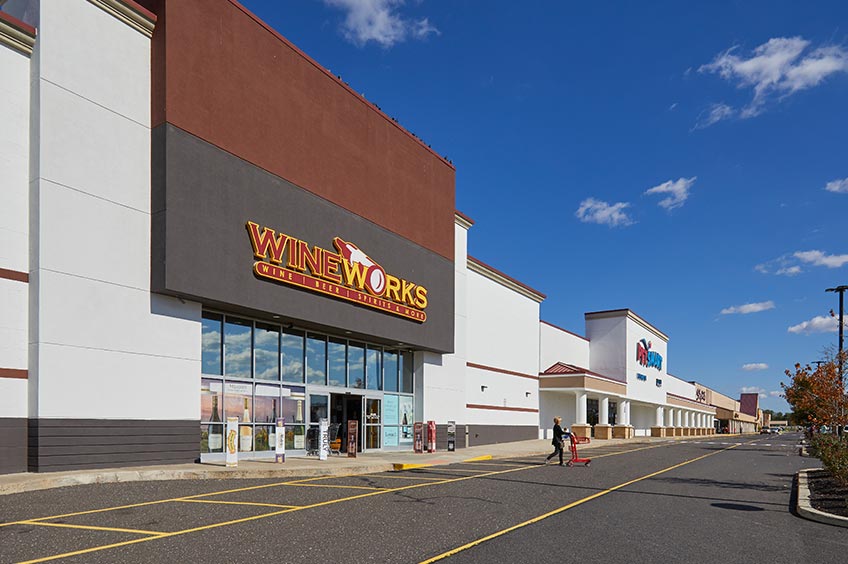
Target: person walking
<point>556,441</point>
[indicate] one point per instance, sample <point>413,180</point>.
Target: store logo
<point>348,274</point>
<point>701,395</point>
<point>646,357</point>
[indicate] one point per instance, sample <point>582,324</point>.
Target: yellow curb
<point>479,458</point>
<point>402,466</point>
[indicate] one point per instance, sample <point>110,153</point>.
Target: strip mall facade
<point>201,222</point>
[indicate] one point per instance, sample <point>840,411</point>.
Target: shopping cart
<point>574,458</point>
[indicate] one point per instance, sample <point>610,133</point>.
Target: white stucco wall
<point>14,226</point>
<point>105,347</point>
<point>647,390</point>
<point>557,345</point>
<point>441,395</point>
<point>607,336</point>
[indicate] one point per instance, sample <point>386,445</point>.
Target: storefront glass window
<point>316,359</point>
<point>318,408</point>
<point>267,351</point>
<point>336,349</point>
<point>211,409</point>
<point>237,344</point>
<point>212,343</point>
<point>406,372</point>
<point>407,418</point>
<point>356,365</point>
<point>372,423</point>
<point>292,409</point>
<point>391,410</point>
<point>390,371</point>
<point>373,374</point>
<point>292,356</point>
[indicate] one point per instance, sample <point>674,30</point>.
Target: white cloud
<point>678,191</point>
<point>777,69</point>
<point>754,366</point>
<point>839,186</point>
<point>603,213</point>
<point>714,114</point>
<point>789,270</point>
<point>775,393</point>
<point>379,21</point>
<point>748,308</point>
<point>818,258</point>
<point>754,390</point>
<point>818,324</point>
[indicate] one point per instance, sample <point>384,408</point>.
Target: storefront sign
<point>232,441</point>
<point>280,440</point>
<point>646,357</point>
<point>352,437</point>
<point>348,274</point>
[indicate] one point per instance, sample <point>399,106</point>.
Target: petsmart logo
<point>646,357</point>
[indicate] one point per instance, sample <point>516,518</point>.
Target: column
<point>658,430</point>
<point>687,426</point>
<point>580,427</point>
<point>603,430</point>
<point>622,420</point>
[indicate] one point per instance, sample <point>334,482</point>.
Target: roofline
<point>629,314</point>
<point>338,81</point>
<point>463,220</point>
<point>548,323</point>
<point>131,13</point>
<point>581,370</point>
<point>16,34</point>
<point>480,267</point>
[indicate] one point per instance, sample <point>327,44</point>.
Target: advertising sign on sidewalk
<point>323,439</point>
<point>232,441</point>
<point>451,436</point>
<point>280,445</point>
<point>352,437</point>
<point>418,433</point>
<point>431,436</point>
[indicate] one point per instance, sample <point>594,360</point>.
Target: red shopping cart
<point>575,459</point>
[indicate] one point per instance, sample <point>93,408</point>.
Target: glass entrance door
<point>373,419</point>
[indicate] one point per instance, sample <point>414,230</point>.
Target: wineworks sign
<point>348,274</point>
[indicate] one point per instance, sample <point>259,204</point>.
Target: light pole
<point>841,291</point>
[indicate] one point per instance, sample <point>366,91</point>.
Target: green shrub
<point>833,452</point>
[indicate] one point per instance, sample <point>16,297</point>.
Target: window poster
<point>390,436</point>
<point>390,410</point>
<point>407,418</point>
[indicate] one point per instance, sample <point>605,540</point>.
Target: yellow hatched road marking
<point>565,508</point>
<point>93,528</point>
<point>257,504</point>
<point>335,486</point>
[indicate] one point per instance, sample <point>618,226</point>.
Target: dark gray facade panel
<point>75,444</point>
<point>442,436</point>
<point>493,434</point>
<point>202,199</point>
<point>13,445</point>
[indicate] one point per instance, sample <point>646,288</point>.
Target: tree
<point>817,396</point>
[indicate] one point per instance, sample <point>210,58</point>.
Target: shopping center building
<point>201,222</point>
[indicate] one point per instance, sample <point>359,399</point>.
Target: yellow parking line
<point>479,458</point>
<point>413,477</point>
<point>236,503</point>
<point>433,482</point>
<point>405,466</point>
<point>335,486</point>
<point>92,528</point>
<point>565,508</point>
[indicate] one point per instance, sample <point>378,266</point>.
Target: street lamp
<point>841,291</point>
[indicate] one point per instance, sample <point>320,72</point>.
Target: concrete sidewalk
<point>302,466</point>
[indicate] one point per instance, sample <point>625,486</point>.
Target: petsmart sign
<point>646,357</point>
<point>348,274</point>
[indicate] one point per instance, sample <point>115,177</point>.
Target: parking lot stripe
<point>92,528</point>
<point>566,508</point>
<point>432,482</point>
<point>236,503</point>
<point>398,477</point>
<point>336,486</point>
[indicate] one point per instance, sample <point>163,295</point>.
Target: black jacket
<point>558,433</point>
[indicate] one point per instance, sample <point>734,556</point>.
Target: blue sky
<point>685,160</point>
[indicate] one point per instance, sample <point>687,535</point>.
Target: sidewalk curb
<point>806,510</point>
